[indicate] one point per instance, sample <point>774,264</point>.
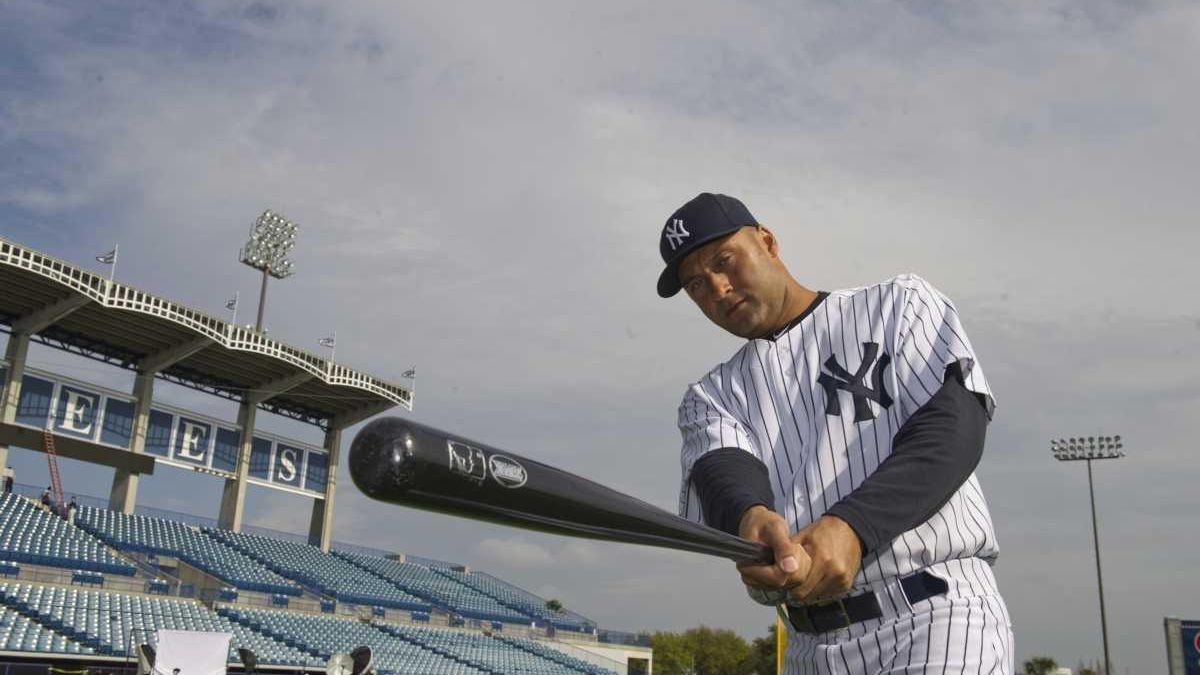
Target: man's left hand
<point>836,554</point>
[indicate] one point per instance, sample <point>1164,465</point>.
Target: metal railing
<point>117,295</point>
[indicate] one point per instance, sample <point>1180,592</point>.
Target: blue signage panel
<point>288,468</point>
<point>317,472</point>
<point>1190,631</point>
<point>260,458</point>
<point>173,436</point>
<point>193,441</point>
<point>33,406</point>
<point>77,413</point>
<point>225,449</point>
<point>158,433</point>
<point>117,427</point>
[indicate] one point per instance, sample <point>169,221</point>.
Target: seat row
<point>30,534</point>
<point>113,624</point>
<point>328,573</point>
<point>445,591</point>
<point>171,538</point>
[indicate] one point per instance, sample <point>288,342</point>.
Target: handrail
<point>116,295</point>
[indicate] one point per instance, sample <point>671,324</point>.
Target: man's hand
<point>836,556</point>
<point>791,561</point>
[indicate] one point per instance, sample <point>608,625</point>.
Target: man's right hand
<point>791,564</point>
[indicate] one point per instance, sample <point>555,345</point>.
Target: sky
<point>480,188</point>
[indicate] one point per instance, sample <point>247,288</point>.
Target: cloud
<point>480,197</point>
<point>515,553</point>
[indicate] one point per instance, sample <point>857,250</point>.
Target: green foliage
<point>672,654</point>
<point>762,654</point>
<point>1039,665</point>
<point>711,651</point>
<point>718,652</point>
<point>554,605</point>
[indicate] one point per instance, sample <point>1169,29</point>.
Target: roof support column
<point>15,354</point>
<point>233,499</point>
<point>123,495</point>
<point>320,526</point>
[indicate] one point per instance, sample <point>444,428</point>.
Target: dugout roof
<point>128,327</point>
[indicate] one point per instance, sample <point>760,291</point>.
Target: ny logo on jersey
<point>675,233</point>
<point>838,378</point>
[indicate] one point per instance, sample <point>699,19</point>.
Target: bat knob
<point>381,456</point>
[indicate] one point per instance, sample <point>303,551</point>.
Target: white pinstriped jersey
<point>820,402</point>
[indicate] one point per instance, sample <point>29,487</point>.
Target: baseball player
<point>844,435</point>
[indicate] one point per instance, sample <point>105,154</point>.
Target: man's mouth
<point>734,307</point>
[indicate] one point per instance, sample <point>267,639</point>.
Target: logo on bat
<point>507,471</point>
<point>468,461</point>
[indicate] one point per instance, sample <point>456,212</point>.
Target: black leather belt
<point>822,617</point>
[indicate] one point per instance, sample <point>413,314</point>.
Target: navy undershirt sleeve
<point>729,481</point>
<point>933,454</point>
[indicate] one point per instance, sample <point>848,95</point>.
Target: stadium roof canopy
<point>130,328</point>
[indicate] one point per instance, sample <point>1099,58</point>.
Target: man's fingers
<point>766,576</point>
<point>775,535</point>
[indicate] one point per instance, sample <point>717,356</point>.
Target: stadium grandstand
<point>84,585</point>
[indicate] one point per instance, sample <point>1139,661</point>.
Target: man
<point>843,435</point>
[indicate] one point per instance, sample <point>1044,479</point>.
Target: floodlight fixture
<point>272,238</point>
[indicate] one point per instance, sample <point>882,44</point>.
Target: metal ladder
<point>56,491</point>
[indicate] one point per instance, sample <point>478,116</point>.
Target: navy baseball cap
<point>707,217</point>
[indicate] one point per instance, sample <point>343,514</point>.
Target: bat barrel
<point>411,464</point>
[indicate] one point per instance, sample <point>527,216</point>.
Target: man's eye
<point>724,260</point>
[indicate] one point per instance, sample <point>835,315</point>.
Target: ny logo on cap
<point>675,233</point>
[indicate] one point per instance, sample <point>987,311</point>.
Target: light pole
<point>1087,449</point>
<point>271,239</point>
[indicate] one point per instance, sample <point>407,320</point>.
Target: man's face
<point>738,281</point>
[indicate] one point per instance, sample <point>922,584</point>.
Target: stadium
<point>86,585</point>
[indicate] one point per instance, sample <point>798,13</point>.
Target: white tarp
<point>187,652</point>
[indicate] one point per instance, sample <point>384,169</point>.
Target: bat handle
<point>753,552</point>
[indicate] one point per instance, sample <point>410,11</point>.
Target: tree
<point>761,660</point>
<point>672,654</point>
<point>1040,665</point>
<point>554,605</point>
<point>718,651</point>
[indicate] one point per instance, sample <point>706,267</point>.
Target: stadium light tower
<point>271,239</point>
<point>1087,449</point>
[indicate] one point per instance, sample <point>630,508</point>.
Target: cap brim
<point>668,281</point>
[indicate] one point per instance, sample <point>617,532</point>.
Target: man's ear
<point>768,240</point>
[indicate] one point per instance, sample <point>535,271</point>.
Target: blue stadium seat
<point>325,572</point>
<point>30,534</point>
<point>167,537</point>
<point>326,635</point>
<point>514,597</point>
<point>492,654</point>
<point>22,634</point>
<point>445,591</point>
<point>108,623</point>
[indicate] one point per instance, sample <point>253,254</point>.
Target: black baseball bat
<point>411,464</point>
